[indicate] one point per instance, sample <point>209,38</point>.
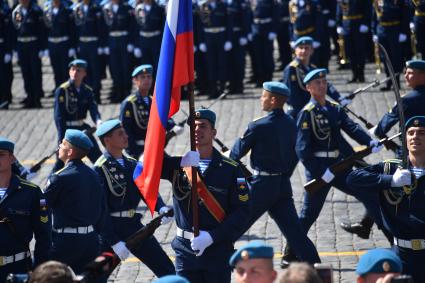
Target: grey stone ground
<point>35,136</point>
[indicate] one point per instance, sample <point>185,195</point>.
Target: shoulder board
<point>309,106</point>
<point>27,183</point>
<point>294,63</point>
<point>132,98</point>
<point>334,103</point>
<point>230,161</point>
<point>64,85</point>
<point>129,157</point>
<point>88,87</point>
<point>99,162</point>
<point>60,170</point>
<point>258,118</point>
<point>393,160</point>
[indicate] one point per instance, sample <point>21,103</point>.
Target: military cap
<point>171,279</point>
<point>78,139</point>
<point>145,69</point>
<point>107,127</point>
<point>6,144</point>
<point>204,114</point>
<point>277,88</point>
<point>416,64</point>
<point>78,63</point>
<point>315,74</point>
<point>303,40</point>
<point>378,261</point>
<point>415,121</point>
<point>252,250</point>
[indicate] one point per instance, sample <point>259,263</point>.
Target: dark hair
<point>52,272</point>
<point>300,273</point>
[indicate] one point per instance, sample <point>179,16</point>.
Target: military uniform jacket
<point>214,15</point>
<point>152,20</point>
<point>72,105</point>
<point>388,14</point>
<point>271,140</point>
<point>419,11</point>
<point>76,197</point>
<point>60,24</point>
<point>25,205</point>
<point>90,22</point>
<point>237,10</point>
<point>350,14</point>
<point>305,16</point>
<point>319,130</point>
<point>266,17</point>
<point>6,29</point>
<point>121,194</point>
<point>120,21</point>
<point>413,105</point>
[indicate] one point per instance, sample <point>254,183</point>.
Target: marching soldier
<point>401,194</point>
<point>23,214</point>
<point>273,160</point>
<point>31,44</point>
<point>6,45</point>
<point>418,27</point>
<point>76,198</point>
<point>73,99</point>
<point>223,206</point>
<point>294,73</point>
<point>122,198</point>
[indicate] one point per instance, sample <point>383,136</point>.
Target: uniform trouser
<point>355,49</point>
<point>59,60</point>
<point>322,54</point>
<point>283,39</point>
<point>30,65</point>
<point>412,262</point>
<point>88,52</point>
<point>388,37</point>
<point>119,65</point>
<point>236,59</point>
<point>150,47</point>
<point>263,49</point>
<point>216,57</point>
<point>201,71</point>
<point>420,35</point>
<point>273,194</point>
<point>76,250</point>
<point>6,75</point>
<point>18,267</point>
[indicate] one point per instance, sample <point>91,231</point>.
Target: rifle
<point>316,184</point>
<point>375,83</point>
<point>243,167</point>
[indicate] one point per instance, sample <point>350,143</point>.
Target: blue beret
<point>78,63</point>
<point>416,64</point>
<point>254,249</point>
<point>315,74</point>
<point>108,126</point>
<point>415,121</point>
<point>378,261</point>
<point>277,88</point>
<point>303,40</point>
<point>146,68</point>
<point>78,139</point>
<point>204,114</point>
<point>172,279</point>
<point>6,144</point>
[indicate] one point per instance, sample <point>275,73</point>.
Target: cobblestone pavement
<point>35,135</point>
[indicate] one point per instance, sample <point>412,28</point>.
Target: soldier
<point>135,111</point>
<point>283,36</point>
<point>6,45</point>
<point>353,19</point>
<point>401,194</point>
<point>123,198</point>
<point>120,23</point>
<point>73,99</point>
<point>77,200</point>
<point>61,38</point>
<point>23,214</point>
<point>294,73</point>
<point>271,189</point>
<point>31,45</point>
<point>223,206</point>
<point>417,27</point>
<point>376,264</point>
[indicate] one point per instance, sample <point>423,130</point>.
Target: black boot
<point>288,257</point>
<point>360,74</point>
<point>361,229</point>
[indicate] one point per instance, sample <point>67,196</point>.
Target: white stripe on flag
<point>172,16</point>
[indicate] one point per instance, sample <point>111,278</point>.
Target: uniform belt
<point>78,123</point>
<point>389,24</point>
<point>214,30</point>
<point>184,234</point>
<point>236,29</point>
<point>304,31</point>
<point>419,14</point>
<point>58,39</point>
<point>327,154</point>
<point>353,17</point>
<point>140,142</point>
<point>13,258</point>
<point>88,38</point>
<point>1,40</point>
<point>265,173</point>
<point>261,21</point>
<point>118,33</point>
<point>126,213</point>
<point>414,244</point>
<point>284,19</point>
<point>27,38</point>
<point>75,230</point>
<point>150,33</point>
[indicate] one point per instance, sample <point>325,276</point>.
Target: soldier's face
<point>77,74</point>
<point>414,77</point>
<point>204,132</point>
<point>6,160</point>
<point>415,137</point>
<point>24,3</point>
<point>266,101</point>
<point>143,82</point>
<point>118,139</point>
<point>65,149</point>
<point>304,51</point>
<point>317,88</point>
<point>255,271</point>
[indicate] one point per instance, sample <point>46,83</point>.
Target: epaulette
<point>258,118</point>
<point>392,160</point>
<point>99,162</point>
<point>88,87</point>
<point>65,85</point>
<point>230,161</point>
<point>294,63</point>
<point>309,106</point>
<point>132,98</point>
<point>334,103</point>
<point>129,157</point>
<point>60,170</point>
<point>27,183</point>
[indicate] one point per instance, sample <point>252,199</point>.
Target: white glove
<point>272,36</point>
<point>328,176</point>
<point>130,48</point>
<point>250,36</point>
<point>372,130</point>
<point>165,219</point>
<point>376,147</point>
<point>203,47</point>
<point>7,58</point>
<point>106,50</point>
<point>98,122</point>
<point>121,250</point>
<point>412,26</point>
<point>344,102</point>
<point>190,159</point>
<point>331,23</point>
<point>227,46</point>
<point>46,53</point>
<point>243,41</point>
<point>340,30</point>
<point>200,243</point>
<point>364,28</point>
<point>137,52</point>
<point>100,51</point>
<point>401,177</point>
<point>316,44</point>
<point>71,52</point>
<point>402,37</point>
<point>292,44</point>
<point>178,130</point>
<point>375,38</point>
<point>43,53</point>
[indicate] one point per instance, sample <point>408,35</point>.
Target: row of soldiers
<point>125,35</point>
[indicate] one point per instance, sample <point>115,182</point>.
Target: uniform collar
<point>109,157</point>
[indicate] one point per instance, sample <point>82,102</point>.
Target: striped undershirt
<point>120,161</point>
<point>203,164</point>
<point>418,172</point>
<point>146,100</point>
<point>2,192</point>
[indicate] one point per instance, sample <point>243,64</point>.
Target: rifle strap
<point>206,196</point>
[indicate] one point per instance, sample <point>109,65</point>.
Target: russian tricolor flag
<point>175,69</point>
